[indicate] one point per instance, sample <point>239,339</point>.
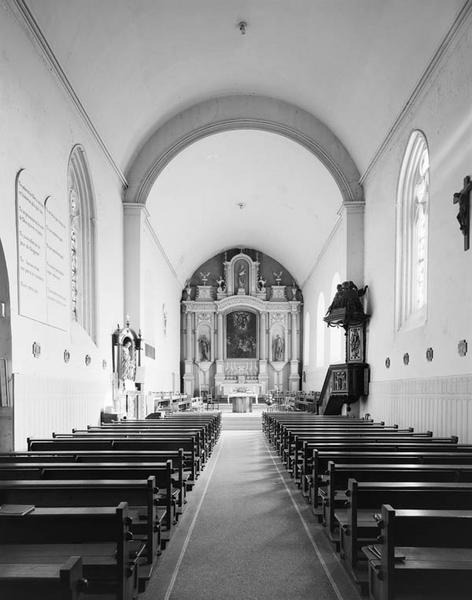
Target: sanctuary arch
<point>238,333</point>
<point>232,113</point>
<point>228,113</point>
<point>241,112</point>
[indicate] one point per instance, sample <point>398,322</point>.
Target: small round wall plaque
<point>406,358</point>
<point>387,362</point>
<point>462,347</point>
<point>36,349</point>
<point>66,356</point>
<point>88,359</point>
<point>429,354</point>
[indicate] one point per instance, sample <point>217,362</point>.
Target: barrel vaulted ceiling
<point>353,64</point>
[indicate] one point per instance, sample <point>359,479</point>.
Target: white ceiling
<point>290,201</point>
<point>351,63</point>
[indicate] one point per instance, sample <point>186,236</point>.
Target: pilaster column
<point>352,214</point>
<point>220,336</point>
<point>135,219</point>
<point>189,336</point>
<point>263,336</point>
<point>294,336</point>
<point>196,352</point>
<point>213,338</point>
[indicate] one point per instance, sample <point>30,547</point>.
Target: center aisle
<point>248,535</point>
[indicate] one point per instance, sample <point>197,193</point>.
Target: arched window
<point>412,234</point>
<point>320,330</point>
<point>82,241</point>
<point>336,334</point>
<point>306,340</point>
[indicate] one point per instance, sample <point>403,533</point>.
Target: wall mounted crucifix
<point>463,216</point>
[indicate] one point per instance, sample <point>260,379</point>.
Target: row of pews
<point>86,515</point>
<point>396,504</point>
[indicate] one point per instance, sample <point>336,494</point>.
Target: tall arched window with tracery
<point>320,331</point>
<point>412,234</point>
<point>82,241</point>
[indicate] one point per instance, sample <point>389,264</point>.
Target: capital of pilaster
<point>352,207</point>
<point>135,209</point>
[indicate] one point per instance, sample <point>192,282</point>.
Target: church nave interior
<point>234,253</point>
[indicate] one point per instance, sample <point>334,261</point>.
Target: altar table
<point>241,402</point>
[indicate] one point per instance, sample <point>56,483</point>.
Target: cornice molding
<point>459,22</point>
<point>240,301</point>
<point>21,7</point>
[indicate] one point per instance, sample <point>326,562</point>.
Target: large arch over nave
<point>241,112</point>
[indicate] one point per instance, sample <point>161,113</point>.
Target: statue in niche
<point>242,276</point>
<point>204,345</point>
<point>188,290</point>
<point>221,284</point>
<point>128,361</point>
<point>278,348</point>
<point>261,284</point>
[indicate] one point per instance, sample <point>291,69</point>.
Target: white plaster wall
<point>435,394</point>
<point>160,288</point>
<point>38,128</point>
<point>332,260</point>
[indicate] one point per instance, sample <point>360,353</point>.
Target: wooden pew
<point>125,445</point>
<point>302,447</point>
<point>180,461</point>
<point>313,481</point>
<point>152,440</point>
<point>100,535</point>
<point>204,438</point>
<point>368,448</point>
<point>211,426</point>
<point>369,444</point>
<point>162,472</point>
<point>287,433</point>
<point>421,554</point>
<point>272,421</point>
<point>43,582</point>
<point>357,525</point>
<point>279,428</point>
<point>140,495</point>
<point>338,476</point>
